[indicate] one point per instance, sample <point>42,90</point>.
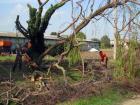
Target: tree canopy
<point>54,33</point>
<point>81,36</point>
<point>105,42</point>
<point>95,39</point>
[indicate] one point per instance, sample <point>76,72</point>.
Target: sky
<point>9,9</point>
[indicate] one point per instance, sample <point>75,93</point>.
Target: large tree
<point>37,24</point>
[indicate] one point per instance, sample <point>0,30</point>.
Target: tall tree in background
<point>81,36</point>
<point>54,33</point>
<point>105,42</point>
<point>95,39</point>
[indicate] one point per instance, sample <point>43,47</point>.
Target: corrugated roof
<point>46,36</point>
<point>10,34</point>
<point>51,37</point>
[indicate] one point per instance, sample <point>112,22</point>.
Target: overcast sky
<point>9,9</point>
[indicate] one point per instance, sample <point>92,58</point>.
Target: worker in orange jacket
<point>103,58</point>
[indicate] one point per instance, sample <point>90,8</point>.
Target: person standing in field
<point>18,60</point>
<point>103,58</point>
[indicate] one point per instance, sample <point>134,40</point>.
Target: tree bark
<point>115,30</point>
<point>38,46</point>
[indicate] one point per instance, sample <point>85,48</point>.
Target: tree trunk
<point>38,47</point>
<point>115,31</point>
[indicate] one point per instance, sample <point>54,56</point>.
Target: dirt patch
<point>95,55</point>
<point>134,101</point>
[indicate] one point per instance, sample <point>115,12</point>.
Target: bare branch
<point>42,5</point>
<point>96,13</point>
<point>136,24</point>
<point>91,7</point>
<point>70,25</point>
<point>129,22</point>
<point>108,20</point>
<point>135,2</point>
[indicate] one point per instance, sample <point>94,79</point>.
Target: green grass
<point>5,58</point>
<point>74,75</point>
<point>111,97</point>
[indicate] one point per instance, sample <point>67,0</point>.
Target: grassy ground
<point>7,58</point>
<point>110,97</point>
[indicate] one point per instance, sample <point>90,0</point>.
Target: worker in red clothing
<point>103,58</point>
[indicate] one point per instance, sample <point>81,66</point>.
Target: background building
<point>87,45</point>
<point>19,39</point>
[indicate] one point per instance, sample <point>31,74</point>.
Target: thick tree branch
<point>48,14</point>
<point>46,52</point>
<point>97,13</point>
<point>39,2</point>
<point>32,20</point>
<point>38,15</point>
<point>21,29</point>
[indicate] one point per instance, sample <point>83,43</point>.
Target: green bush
<point>126,59</point>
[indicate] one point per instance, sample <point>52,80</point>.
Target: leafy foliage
<point>95,39</point>
<point>105,42</point>
<point>53,33</point>
<point>126,61</point>
<point>81,36</point>
<point>74,56</point>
